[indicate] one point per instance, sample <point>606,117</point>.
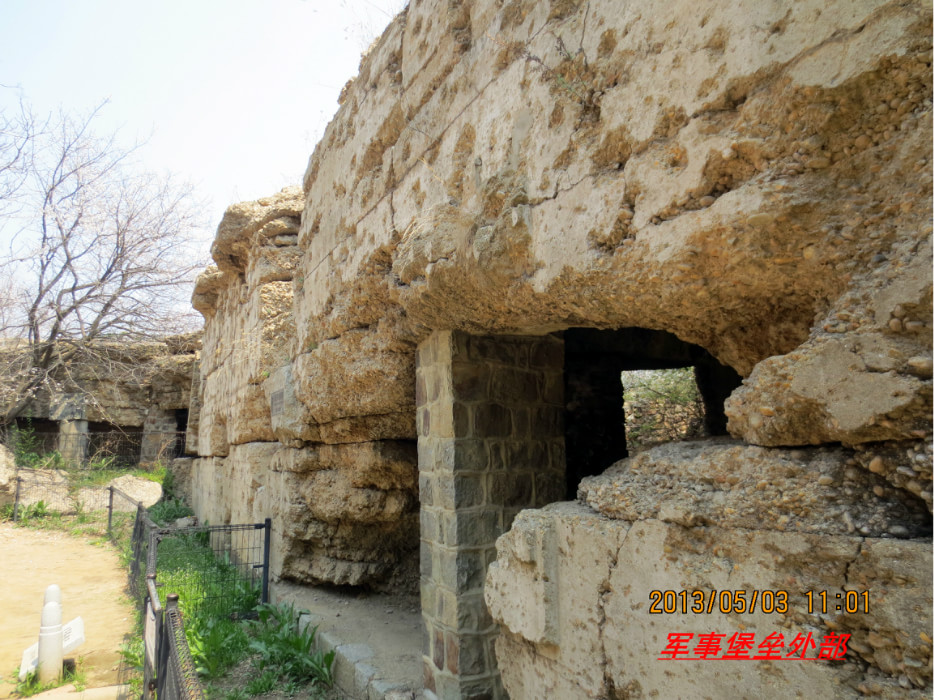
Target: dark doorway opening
<point>181,428</point>
<point>42,433</point>
<point>594,419</point>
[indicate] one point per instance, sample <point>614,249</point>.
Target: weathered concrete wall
<point>120,382</point>
<point>572,591</point>
<point>523,168</point>
<point>343,512</point>
<point>752,178</point>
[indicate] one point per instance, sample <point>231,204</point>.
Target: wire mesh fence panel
<point>112,449</point>
<point>41,491</point>
<point>219,569</point>
<point>168,670</point>
<point>121,517</point>
<point>139,552</point>
<point>50,483</point>
<point>116,449</point>
<point>215,570</point>
<point>181,679</point>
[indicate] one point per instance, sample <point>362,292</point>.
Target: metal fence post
<point>165,648</point>
<point>19,481</point>
<point>110,511</point>
<point>267,538</point>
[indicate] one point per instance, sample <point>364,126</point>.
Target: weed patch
<point>31,686</point>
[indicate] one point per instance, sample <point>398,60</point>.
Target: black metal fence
<point>43,491</point>
<point>168,672</point>
<point>232,561</point>
<point>111,449</point>
<point>222,569</point>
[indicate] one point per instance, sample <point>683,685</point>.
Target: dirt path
<point>92,583</point>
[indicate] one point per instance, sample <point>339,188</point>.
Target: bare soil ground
<point>92,582</point>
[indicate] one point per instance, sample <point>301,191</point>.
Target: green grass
<point>168,510</point>
<point>186,565</point>
<point>211,593</point>
<point>31,686</point>
<point>216,644</point>
<point>101,472</point>
<point>92,525</point>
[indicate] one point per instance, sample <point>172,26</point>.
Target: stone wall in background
<point>115,398</point>
<point>754,179</point>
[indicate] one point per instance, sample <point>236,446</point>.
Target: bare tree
<point>100,254</point>
<point>16,140</point>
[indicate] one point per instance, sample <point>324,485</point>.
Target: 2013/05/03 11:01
<point>850,602</point>
<point>668,602</point>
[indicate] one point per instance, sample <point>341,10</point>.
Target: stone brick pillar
<point>490,443</point>
<point>73,441</point>
<point>159,436</point>
<point>69,411</point>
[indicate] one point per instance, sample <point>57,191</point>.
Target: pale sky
<point>232,95</point>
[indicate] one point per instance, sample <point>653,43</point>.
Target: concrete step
<point>377,638</point>
<point>69,692</point>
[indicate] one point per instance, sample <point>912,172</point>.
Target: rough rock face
<point>752,178</point>
<point>247,304</point>
<point>528,172</point>
<point>571,589</point>
<point>713,483</point>
<point>572,583</point>
<point>7,477</point>
<point>120,383</point>
<point>342,513</point>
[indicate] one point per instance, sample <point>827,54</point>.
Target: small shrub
<point>216,644</point>
<point>34,511</point>
<point>287,649</point>
<point>263,683</point>
<point>168,484</point>
<point>29,451</point>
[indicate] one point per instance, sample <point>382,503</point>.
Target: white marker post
<point>51,640</point>
<point>72,638</point>
<point>53,594</point>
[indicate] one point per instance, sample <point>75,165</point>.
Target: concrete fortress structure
<point>412,363</point>
<point>119,398</point>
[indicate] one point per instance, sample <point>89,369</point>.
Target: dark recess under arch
<point>594,421</point>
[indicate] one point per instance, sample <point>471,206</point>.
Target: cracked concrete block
<point>347,659</point>
<point>355,652</point>
<point>392,694</point>
<point>609,637</point>
<point>363,674</point>
<point>327,641</point>
<point>555,604</point>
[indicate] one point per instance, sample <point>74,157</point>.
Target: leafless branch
<point>102,253</point>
